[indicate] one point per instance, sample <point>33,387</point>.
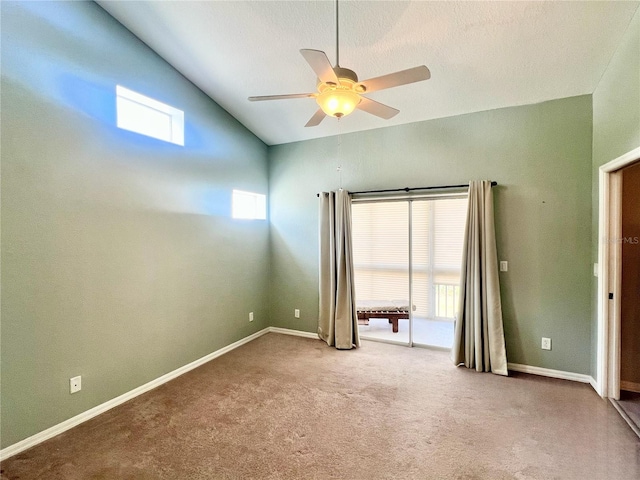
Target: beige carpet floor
<point>285,407</point>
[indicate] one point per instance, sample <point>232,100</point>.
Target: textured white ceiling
<point>482,55</point>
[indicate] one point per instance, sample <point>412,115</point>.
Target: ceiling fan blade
<point>320,64</point>
<point>376,108</point>
<point>403,77</point>
<point>280,97</point>
<point>316,119</point>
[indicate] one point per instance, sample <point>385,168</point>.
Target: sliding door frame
<point>410,198</point>
<point>410,213</point>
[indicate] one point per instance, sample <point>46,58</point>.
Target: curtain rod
<point>407,189</point>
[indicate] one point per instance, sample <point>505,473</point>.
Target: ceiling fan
<point>340,92</point>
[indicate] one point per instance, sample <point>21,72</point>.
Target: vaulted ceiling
<point>482,55</point>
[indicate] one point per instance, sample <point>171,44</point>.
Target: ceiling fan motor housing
<point>345,73</point>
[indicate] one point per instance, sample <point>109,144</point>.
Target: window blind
<point>381,252</point>
<point>438,237</point>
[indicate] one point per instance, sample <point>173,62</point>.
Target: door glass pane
<point>438,233</point>
<point>381,264</point>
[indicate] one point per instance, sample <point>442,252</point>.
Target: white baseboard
<point>630,386</point>
<point>596,386</point>
<point>108,405</point>
<point>547,372</point>
<point>297,333</point>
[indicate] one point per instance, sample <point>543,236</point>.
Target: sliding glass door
<point>381,264</point>
<point>407,258</point>
<point>437,228</point>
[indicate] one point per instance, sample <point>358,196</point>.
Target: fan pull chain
<point>339,169</point>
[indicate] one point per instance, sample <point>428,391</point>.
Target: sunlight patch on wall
<point>146,116</point>
<point>248,205</point>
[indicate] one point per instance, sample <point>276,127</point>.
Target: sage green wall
<point>119,260</point>
<point>541,157</point>
<point>616,131</point>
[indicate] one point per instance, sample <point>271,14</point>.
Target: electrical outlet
<point>296,313</point>
<point>75,384</point>
<point>546,343</point>
<point>504,266</point>
<point>251,316</point>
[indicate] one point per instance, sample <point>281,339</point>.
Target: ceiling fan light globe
<point>338,103</point>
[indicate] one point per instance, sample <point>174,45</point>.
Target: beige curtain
<point>479,334</point>
<point>337,319</point>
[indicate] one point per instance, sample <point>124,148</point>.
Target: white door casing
<point>610,273</point>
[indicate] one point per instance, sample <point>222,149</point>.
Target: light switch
<point>504,266</point>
